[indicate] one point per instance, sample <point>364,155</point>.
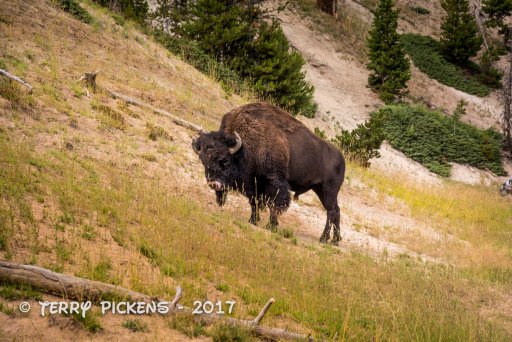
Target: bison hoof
<point>324,239</point>
<point>335,242</point>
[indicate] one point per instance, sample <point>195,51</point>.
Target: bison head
<point>219,153</point>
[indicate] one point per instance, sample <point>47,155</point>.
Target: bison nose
<point>215,185</point>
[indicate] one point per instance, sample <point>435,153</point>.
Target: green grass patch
<point>14,292</point>
<point>426,54</point>
<point>135,325</point>
<point>18,177</point>
<point>19,99</point>
<point>6,309</point>
<point>110,118</point>
<point>434,140</point>
<point>155,132</point>
<point>230,333</point>
<point>89,321</point>
<point>187,326</point>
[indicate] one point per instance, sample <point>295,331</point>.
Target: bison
<point>263,152</point>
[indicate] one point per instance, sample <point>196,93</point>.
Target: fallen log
<point>71,287</point>
<point>17,79</point>
<point>63,285</point>
<point>173,118</point>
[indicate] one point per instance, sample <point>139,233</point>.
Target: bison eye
<point>223,163</point>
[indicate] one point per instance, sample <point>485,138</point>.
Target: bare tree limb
<point>263,311</point>
<point>177,297</point>
<point>174,118</point>
<point>17,79</point>
<point>62,285</point>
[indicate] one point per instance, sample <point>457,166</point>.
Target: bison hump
<point>263,129</point>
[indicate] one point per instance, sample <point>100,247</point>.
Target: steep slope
<point>97,188</point>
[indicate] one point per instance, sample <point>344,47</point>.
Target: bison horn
<point>235,148</point>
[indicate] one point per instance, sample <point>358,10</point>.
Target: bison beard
<point>263,152</point>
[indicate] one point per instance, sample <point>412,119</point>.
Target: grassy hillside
<point>103,190</point>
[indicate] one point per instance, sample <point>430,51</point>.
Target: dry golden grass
<point>102,210</point>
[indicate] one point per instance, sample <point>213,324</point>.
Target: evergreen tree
<point>460,38</point>
<point>388,63</point>
<point>221,27</point>
<point>276,71</point>
<point>233,31</point>
<point>498,10</point>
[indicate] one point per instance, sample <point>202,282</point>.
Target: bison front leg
<point>278,198</point>
<point>255,210</point>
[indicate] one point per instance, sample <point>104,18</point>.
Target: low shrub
<point>420,10</point>
<point>74,8</point>
<point>362,143</point>
<point>426,54</point>
<point>434,139</point>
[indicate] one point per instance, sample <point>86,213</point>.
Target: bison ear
<point>196,146</point>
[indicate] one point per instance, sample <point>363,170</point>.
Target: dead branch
<point>177,297</point>
<point>174,118</point>
<point>63,285</point>
<point>72,287</point>
<point>263,311</point>
<point>17,79</point>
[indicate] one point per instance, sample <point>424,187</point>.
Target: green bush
<point>434,139</point>
<point>74,8</point>
<point>362,143</point>
<point>426,54</point>
<point>131,9</point>
<point>420,10</point>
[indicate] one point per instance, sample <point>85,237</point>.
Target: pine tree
<point>388,63</point>
<point>233,31</point>
<point>221,27</point>
<point>276,71</point>
<point>460,38</point>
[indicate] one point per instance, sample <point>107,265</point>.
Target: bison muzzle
<point>264,153</point>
